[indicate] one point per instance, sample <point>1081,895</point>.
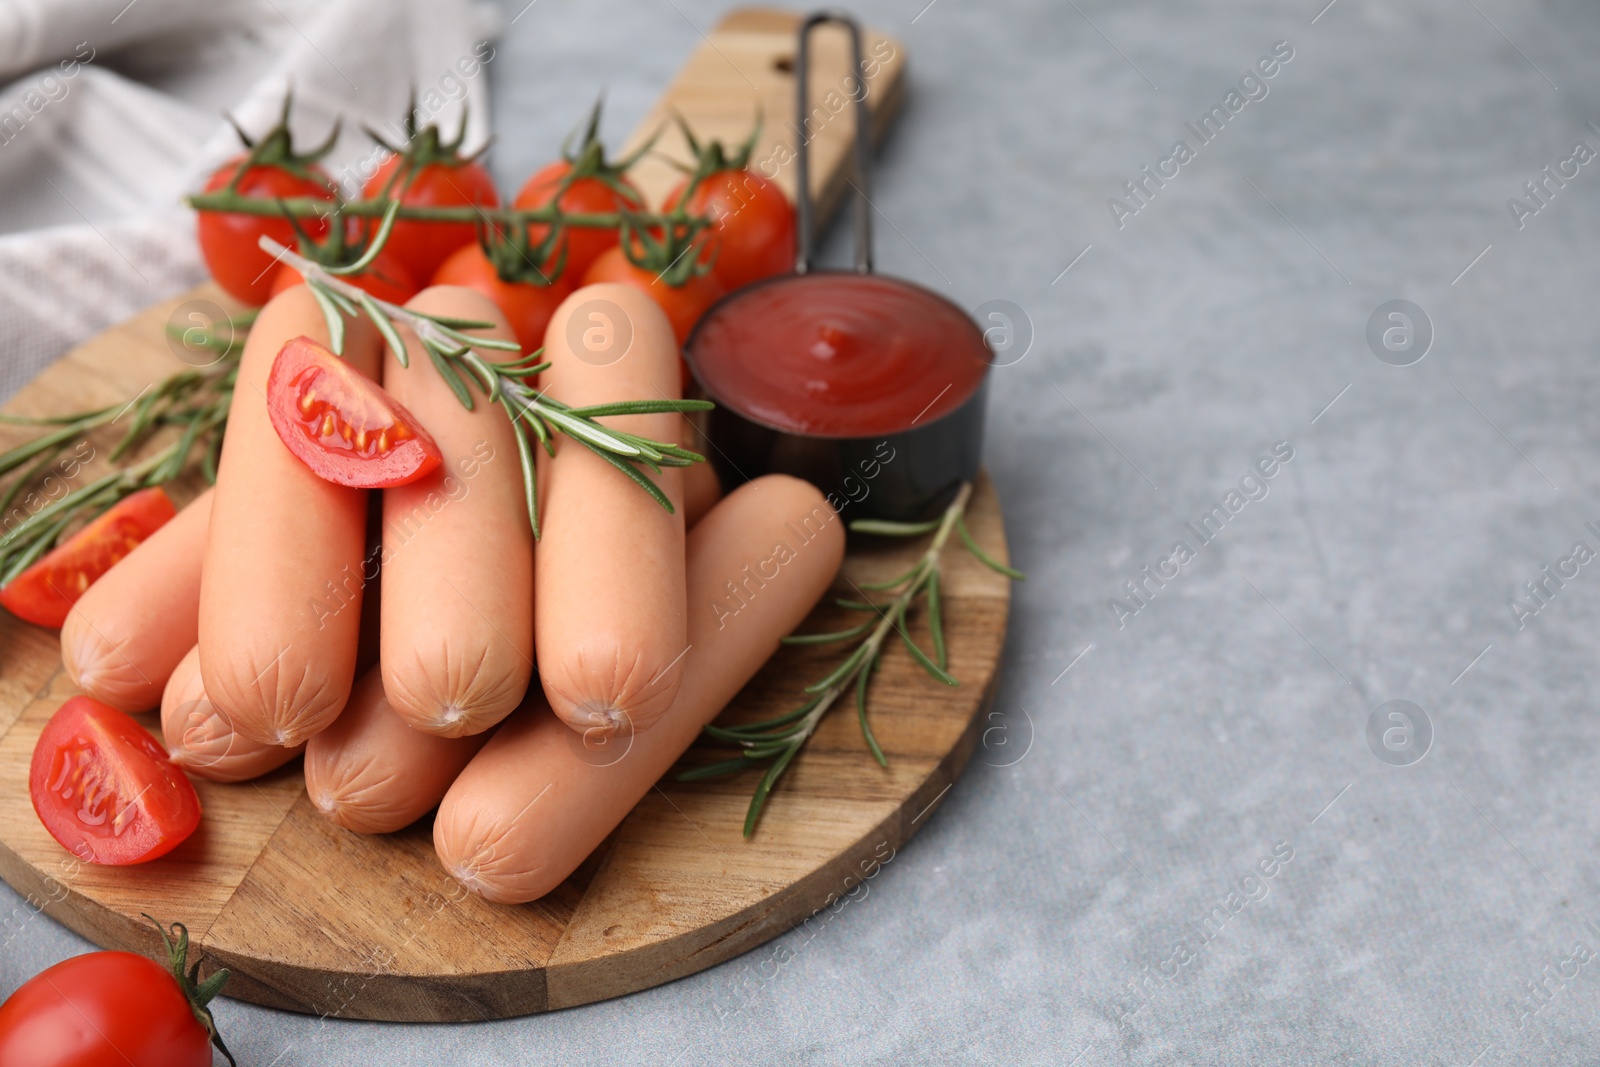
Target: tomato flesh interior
<point>45,592</point>
<point>354,422</point>
<point>105,788</point>
<point>342,425</point>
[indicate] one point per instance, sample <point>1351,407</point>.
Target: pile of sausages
<point>491,668</point>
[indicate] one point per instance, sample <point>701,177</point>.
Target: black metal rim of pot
<point>908,475</point>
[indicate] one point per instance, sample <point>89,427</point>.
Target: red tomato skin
<point>386,279</point>
<point>683,304</point>
<point>753,235</point>
<point>228,242</point>
<point>584,196</point>
<point>101,1009</point>
<point>421,246</point>
<point>45,592</point>
<point>527,307</point>
<point>86,735</point>
<point>413,455</point>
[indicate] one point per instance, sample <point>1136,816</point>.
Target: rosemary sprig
<point>452,353</point>
<point>776,741</point>
<point>195,402</point>
<point>192,402</point>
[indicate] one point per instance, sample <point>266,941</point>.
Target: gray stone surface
<point>1229,716</point>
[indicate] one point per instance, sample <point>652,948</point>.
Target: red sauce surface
<point>839,355</point>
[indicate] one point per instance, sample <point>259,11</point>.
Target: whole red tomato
<point>229,241</point>
<point>752,233</point>
<point>601,194</point>
<point>113,1009</point>
<point>385,278</point>
<point>418,244</point>
<point>683,304</point>
<point>526,306</point>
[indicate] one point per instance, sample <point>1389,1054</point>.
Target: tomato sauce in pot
<point>837,354</point>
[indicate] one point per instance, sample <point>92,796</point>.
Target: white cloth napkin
<point>114,110</point>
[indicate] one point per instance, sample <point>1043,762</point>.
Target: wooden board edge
<point>378,995</point>
<point>45,893</point>
<point>605,977</point>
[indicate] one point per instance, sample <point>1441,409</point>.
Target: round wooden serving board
<point>314,918</point>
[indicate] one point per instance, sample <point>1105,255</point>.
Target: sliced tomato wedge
<point>342,424</point>
<point>45,592</point>
<point>105,788</point>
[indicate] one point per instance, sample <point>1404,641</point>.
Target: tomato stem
<point>199,994</point>
<point>306,207</point>
<point>713,157</point>
<point>275,148</point>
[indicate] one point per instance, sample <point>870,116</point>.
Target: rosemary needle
<point>192,402</point>
<point>195,402</point>
<point>778,740</point>
<point>503,383</point>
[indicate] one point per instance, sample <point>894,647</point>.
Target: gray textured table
<point>1093,891</point>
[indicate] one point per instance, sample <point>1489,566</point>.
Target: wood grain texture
<point>317,919</point>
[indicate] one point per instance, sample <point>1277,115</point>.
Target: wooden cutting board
<point>317,919</point>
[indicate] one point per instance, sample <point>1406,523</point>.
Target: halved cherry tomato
<point>419,245</point>
<point>528,307</point>
<point>105,788</point>
<point>684,304</point>
<point>342,424</point>
<point>45,592</point>
<point>753,230</point>
<point>586,195</point>
<point>228,241</point>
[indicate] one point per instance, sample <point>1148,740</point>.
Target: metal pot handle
<point>863,143</point>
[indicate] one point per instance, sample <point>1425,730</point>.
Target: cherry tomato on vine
<point>45,592</point>
<point>526,306</point>
<point>105,788</point>
<point>341,424</point>
<point>752,234</point>
<point>585,195</point>
<point>385,278</point>
<point>228,241</point>
<point>421,246</point>
<point>113,1008</point>
<point>684,304</point>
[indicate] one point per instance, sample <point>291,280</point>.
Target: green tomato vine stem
<point>309,207</point>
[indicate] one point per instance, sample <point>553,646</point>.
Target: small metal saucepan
<point>907,466</point>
